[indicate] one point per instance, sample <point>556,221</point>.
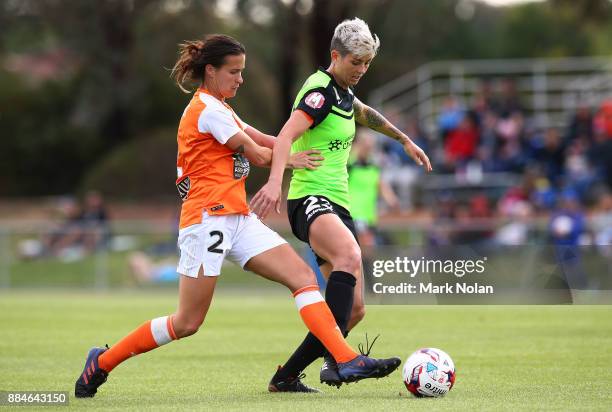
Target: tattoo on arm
<point>240,149</point>
<point>366,116</point>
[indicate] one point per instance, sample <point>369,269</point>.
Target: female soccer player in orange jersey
<point>215,149</point>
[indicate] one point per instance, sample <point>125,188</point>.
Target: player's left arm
<point>260,138</point>
<point>309,159</point>
<point>370,118</point>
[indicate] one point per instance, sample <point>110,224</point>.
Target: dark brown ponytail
<point>196,54</point>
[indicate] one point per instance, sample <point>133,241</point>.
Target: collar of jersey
<point>334,82</point>
<point>205,91</point>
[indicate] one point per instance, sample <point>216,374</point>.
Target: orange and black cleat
<point>290,384</point>
<point>92,377</point>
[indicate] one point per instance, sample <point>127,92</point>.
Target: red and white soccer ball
<point>429,372</point>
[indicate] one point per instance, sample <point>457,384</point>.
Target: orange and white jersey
<point>210,175</point>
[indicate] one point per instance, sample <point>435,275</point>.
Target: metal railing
<point>549,89</point>
<point>108,266</point>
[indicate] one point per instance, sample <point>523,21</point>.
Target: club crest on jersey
<point>315,100</point>
<point>241,166</point>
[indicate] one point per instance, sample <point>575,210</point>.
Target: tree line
<point>86,99</point>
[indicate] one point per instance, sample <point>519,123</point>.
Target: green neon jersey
<point>332,132</point>
<point>364,180</point>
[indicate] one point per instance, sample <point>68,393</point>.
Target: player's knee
<point>349,260</point>
<point>187,327</point>
<point>304,276</point>
<point>188,330</point>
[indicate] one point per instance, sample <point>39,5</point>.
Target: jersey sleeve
<point>317,104</point>
<point>219,123</point>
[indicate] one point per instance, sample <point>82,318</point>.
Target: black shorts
<point>303,211</point>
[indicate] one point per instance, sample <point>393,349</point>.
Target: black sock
<point>339,297</point>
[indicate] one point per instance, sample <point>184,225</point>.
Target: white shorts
<point>208,243</point>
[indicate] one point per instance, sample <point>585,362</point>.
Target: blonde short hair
<point>354,36</point>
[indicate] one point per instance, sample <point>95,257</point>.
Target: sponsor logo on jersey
<point>337,144</point>
<point>241,166</point>
<point>338,99</point>
<point>183,187</point>
<point>315,100</point>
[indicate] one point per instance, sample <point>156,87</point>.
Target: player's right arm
<point>224,127</point>
<point>243,144</point>
<point>268,196</point>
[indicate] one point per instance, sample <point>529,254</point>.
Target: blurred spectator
<point>581,125</point>
<point>579,175</point>
<point>510,153</point>
<point>509,128</point>
<point>603,119</point>
<point>519,193</point>
<point>460,222</point>
<point>450,116</point>
<point>66,240</point>
<point>461,142</point>
<point>400,171</point>
<point>365,186</point>
<point>82,230</point>
<point>480,207</point>
<point>600,156</point>
<point>544,195</point>
<point>145,270</point>
<point>509,101</point>
<point>471,221</point>
<point>439,233</point>
<point>94,222</point>
<point>601,225</point>
<point>567,229</point>
<point>484,100</point>
<point>549,153</point>
<point>487,150</point>
<point>516,231</point>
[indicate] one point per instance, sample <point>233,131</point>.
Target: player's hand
<point>267,198</point>
<point>310,159</point>
<point>418,155</point>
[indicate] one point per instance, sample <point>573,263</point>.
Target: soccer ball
<point>429,372</point>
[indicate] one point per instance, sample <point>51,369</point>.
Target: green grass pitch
<point>507,358</point>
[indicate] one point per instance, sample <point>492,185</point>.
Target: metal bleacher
<point>550,89</point>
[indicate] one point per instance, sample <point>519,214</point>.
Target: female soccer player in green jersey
<point>324,115</point>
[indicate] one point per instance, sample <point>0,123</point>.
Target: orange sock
<point>150,335</point>
<point>318,318</point>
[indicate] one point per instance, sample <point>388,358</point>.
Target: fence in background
<point>111,264</point>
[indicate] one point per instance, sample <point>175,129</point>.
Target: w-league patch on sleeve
<point>315,100</point>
